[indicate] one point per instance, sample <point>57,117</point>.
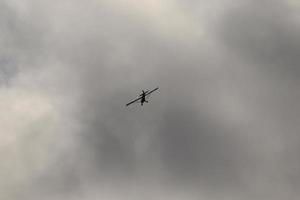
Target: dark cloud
<point>8,70</point>
<point>195,148</point>
<point>267,38</point>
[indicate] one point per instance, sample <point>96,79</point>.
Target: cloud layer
<point>224,124</point>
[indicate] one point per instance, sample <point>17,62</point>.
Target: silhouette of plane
<point>142,97</point>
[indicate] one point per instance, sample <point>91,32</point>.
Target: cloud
<point>223,124</point>
<point>268,38</point>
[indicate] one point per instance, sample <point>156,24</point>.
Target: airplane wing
<point>152,91</point>
<point>133,101</point>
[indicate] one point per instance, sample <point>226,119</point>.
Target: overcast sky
<point>224,124</point>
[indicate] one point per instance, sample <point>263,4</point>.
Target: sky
<point>224,123</point>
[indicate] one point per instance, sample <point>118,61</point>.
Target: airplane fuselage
<point>143,99</point>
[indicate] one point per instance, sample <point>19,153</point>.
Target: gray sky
<point>223,125</point>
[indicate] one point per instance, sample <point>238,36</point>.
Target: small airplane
<point>142,97</point>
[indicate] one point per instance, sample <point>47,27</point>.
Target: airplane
<point>142,97</point>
